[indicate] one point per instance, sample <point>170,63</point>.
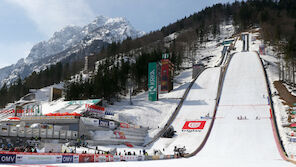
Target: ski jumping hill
<point>242,135</point>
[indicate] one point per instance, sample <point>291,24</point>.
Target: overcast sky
<point>23,23</point>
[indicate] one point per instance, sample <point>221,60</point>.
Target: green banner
<point>165,56</point>
<point>80,102</point>
<point>152,81</point>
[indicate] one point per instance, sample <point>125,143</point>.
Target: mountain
<point>71,42</point>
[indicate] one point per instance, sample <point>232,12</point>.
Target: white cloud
<point>10,53</point>
<point>52,15</point>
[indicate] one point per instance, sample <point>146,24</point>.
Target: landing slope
<point>248,141</point>
<point>200,101</point>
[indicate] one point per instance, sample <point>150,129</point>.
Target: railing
<point>274,122</point>
<point>220,87</point>
<point>175,113</point>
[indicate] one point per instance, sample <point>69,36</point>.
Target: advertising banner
<point>130,158</point>
<point>141,157</point>
<point>95,122</point>
<point>80,102</point>
<point>86,158</point>
<point>35,132</point>
<point>112,124</point>
<point>49,133</point>
<point>13,131</point>
<point>165,78</point>
<point>206,117</point>
<point>7,158</point>
<point>97,110</point>
<point>292,139</point>
<point>155,157</point>
<point>90,121</point>
<point>262,49</point>
<point>69,134</point>
<point>4,130</point>
<point>119,134</point>
<point>74,134</point>
<point>63,134</point>
<point>94,107</point>
<point>56,134</point>
<point>21,132</point>
<point>28,132</point>
<point>165,56</point>
<point>104,158</point>
<point>124,125</point>
<point>43,133</point>
<point>101,158</point>
<point>104,123</point>
<point>67,158</point>
<point>38,159</point>
<point>116,158</point>
<point>152,81</point>
<point>193,125</point>
<point>75,158</point>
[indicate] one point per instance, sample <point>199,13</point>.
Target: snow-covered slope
<point>200,101</point>
<point>234,142</point>
<point>69,41</point>
<point>249,141</point>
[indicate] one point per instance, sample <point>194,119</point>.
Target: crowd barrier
<point>50,158</point>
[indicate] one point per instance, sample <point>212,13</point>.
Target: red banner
<point>194,125</point>
<point>94,107</point>
<point>124,125</point>
<point>86,158</point>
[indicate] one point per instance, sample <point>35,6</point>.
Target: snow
<point>152,114</point>
<point>102,135</point>
<point>199,102</point>
<point>271,62</point>
<point>242,95</point>
<point>234,142</point>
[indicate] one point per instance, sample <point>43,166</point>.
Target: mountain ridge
<point>68,41</point>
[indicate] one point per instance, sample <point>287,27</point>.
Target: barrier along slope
<point>175,113</point>
<point>273,118</point>
<point>225,58</point>
<point>220,86</point>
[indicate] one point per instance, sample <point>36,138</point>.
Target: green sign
<point>152,82</point>
<point>80,102</point>
<point>165,56</point>
<point>227,42</point>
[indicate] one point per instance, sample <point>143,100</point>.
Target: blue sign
<point>104,123</point>
<point>67,159</point>
<point>206,117</point>
<point>7,158</point>
<point>292,139</point>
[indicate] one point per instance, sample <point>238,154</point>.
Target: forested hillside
<point>277,20</point>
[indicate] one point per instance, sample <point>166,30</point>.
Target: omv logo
<point>7,158</point>
<point>67,159</point>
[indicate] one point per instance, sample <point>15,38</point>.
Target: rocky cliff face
<point>70,41</point>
